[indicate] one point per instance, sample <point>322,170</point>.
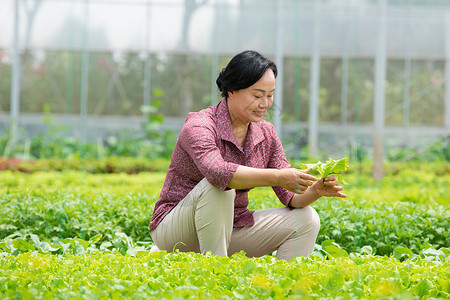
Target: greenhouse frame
<point>370,73</point>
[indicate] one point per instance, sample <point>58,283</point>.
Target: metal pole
<point>344,90</point>
<point>214,67</point>
<point>379,97</point>
<point>356,63</point>
<point>344,78</point>
<point>148,60</point>
<point>84,77</point>
<point>297,110</point>
<point>15,80</point>
<point>407,82</point>
<point>447,75</point>
<point>407,97</point>
<point>314,85</point>
<point>214,55</point>
<point>279,60</point>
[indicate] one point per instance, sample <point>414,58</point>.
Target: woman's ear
<point>230,94</point>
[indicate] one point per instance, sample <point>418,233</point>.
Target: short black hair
<point>243,70</point>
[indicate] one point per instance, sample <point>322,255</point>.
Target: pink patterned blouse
<point>206,147</point>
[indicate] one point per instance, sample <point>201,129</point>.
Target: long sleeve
<point>198,139</point>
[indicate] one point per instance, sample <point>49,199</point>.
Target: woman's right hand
<point>295,180</point>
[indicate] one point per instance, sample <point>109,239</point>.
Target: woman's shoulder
<point>202,118</point>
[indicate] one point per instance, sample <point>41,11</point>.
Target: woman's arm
<point>294,180</point>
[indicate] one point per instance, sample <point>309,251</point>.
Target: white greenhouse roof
<point>418,29</point>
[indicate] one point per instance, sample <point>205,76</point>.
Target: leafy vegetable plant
<point>330,167</point>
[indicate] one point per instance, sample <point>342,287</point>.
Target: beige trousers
<point>203,221</point>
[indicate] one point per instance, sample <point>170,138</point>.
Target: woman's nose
<point>264,103</point>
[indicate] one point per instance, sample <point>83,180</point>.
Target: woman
<point>221,153</point>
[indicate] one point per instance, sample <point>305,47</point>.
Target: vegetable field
<point>74,234</point>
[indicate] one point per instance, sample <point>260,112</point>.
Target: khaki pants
<point>203,221</point>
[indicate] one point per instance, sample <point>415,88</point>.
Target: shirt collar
<point>255,134</point>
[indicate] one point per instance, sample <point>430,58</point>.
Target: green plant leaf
<point>22,245</point>
<point>335,251</point>
<point>331,166</point>
<point>400,253</point>
<point>95,239</point>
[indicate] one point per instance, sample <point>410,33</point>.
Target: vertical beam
<point>148,63</point>
<point>84,76</point>
<point>70,61</point>
<point>279,60</point>
<point>69,82</point>
<point>214,67</point>
<point>407,80</point>
<point>407,97</point>
<point>356,86</point>
<point>345,67</point>
<point>214,56</point>
<point>344,89</point>
<point>447,75</point>
<point>379,97</point>
<point>313,124</point>
<point>15,80</point>
<point>297,109</point>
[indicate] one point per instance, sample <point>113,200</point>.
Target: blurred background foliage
<point>182,83</point>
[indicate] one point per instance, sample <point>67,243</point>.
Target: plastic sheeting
<point>414,28</point>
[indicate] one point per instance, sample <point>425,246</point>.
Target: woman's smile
<point>259,113</point>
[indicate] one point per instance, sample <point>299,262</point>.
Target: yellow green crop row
<point>189,275</point>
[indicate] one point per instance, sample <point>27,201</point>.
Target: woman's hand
<point>329,187</point>
<point>295,180</point>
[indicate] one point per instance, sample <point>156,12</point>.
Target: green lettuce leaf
<point>329,167</point>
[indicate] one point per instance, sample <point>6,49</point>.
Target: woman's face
<point>250,104</point>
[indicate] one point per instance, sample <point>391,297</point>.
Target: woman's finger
<point>303,175</point>
<point>330,178</point>
<point>331,183</point>
<point>305,183</point>
<point>302,187</point>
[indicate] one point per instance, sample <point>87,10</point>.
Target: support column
<point>345,73</point>
<point>407,81</point>
<point>214,50</point>
<point>344,90</point>
<point>148,62</point>
<point>297,108</point>
<point>407,98</point>
<point>447,75</point>
<point>379,97</point>
<point>279,60</point>
<point>15,80</point>
<point>313,124</point>
<point>84,76</point>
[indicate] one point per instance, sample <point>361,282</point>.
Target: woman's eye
<point>258,97</point>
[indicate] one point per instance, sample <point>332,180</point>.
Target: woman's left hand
<point>329,187</point>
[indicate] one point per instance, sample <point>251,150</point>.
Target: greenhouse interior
<point>362,78</point>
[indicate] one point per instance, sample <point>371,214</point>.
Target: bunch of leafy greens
<point>330,167</point>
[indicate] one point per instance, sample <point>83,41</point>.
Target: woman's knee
<point>214,194</point>
<point>216,205</point>
<point>308,219</point>
<point>315,218</point>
